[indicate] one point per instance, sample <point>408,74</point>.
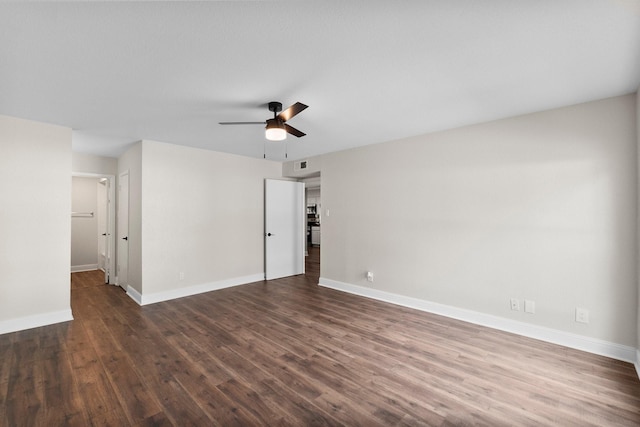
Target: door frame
<point>111,222</point>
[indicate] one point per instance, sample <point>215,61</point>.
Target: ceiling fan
<point>276,129</point>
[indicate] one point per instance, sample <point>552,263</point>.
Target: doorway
<point>93,224</point>
<point>314,218</point>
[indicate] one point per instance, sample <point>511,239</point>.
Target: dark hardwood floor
<point>287,352</point>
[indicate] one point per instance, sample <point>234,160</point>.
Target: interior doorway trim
<point>111,233</point>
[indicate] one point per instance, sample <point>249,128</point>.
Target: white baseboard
<point>567,339</point>
<point>145,299</point>
<point>86,267</point>
<point>134,295</point>
<point>35,321</point>
<point>637,364</point>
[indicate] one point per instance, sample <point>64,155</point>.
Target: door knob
<point>125,238</point>
<point>269,234</point>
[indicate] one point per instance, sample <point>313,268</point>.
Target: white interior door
<point>103,222</point>
<point>123,230</point>
<point>111,233</point>
<point>284,228</point>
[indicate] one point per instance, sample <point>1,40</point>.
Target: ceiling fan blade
<point>293,131</point>
<point>292,111</point>
<point>242,123</point>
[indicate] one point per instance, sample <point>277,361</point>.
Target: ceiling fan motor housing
<point>275,107</point>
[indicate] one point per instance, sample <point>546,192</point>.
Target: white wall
<point>35,223</point>
<point>202,215</point>
<point>89,163</point>
<point>540,207</point>
<point>314,166</point>
<point>84,229</point>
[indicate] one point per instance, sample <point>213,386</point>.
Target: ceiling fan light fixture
<point>275,130</point>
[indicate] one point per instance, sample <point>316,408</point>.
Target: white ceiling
<point>370,71</point>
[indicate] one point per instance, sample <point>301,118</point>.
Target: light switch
<point>529,306</point>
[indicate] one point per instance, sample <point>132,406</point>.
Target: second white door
<point>284,228</point>
<point>123,230</point>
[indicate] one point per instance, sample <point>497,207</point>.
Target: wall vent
<point>299,166</point>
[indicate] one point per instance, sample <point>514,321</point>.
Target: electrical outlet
<point>515,304</point>
<point>369,276</point>
<point>529,306</point>
<point>582,315</point>
<point>182,275</point>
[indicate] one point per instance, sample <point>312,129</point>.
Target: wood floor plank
<point>63,403</point>
<point>296,411</point>
<point>98,396</point>
<point>25,391</point>
<point>136,398</point>
<point>221,409</point>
